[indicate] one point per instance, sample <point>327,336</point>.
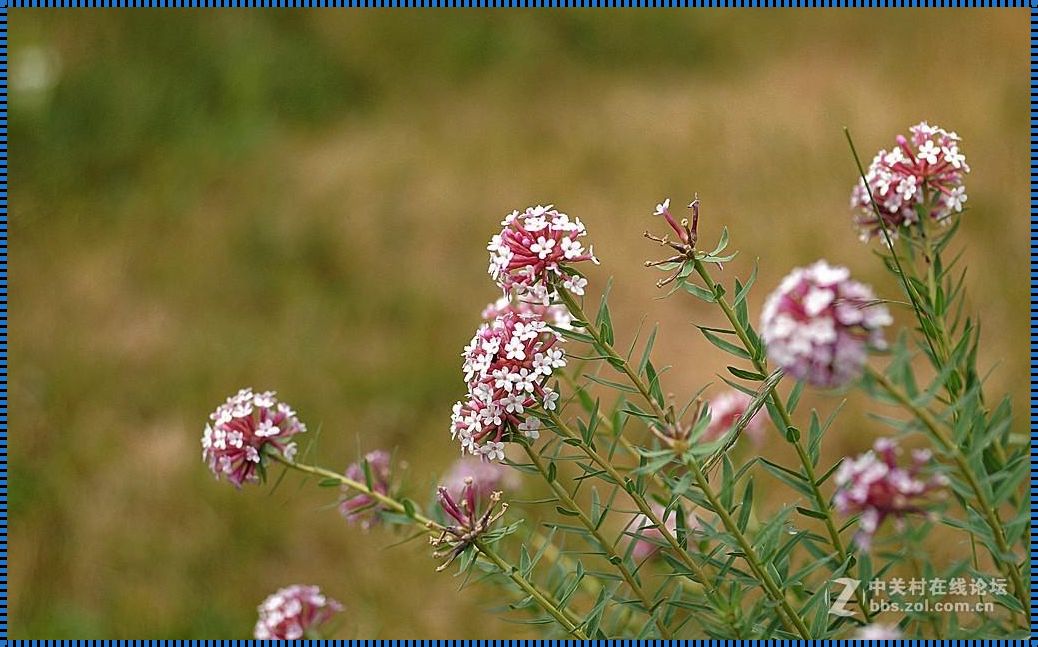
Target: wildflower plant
<point>597,504</point>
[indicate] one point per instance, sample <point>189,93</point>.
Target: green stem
<point>792,624</point>
<point>821,502</point>
<point>749,555</point>
<point>621,362</point>
<point>616,560</point>
<point>644,507</point>
<point>591,585</point>
<point>1008,567</point>
<point>542,599</point>
<point>605,423</point>
<point>957,382</point>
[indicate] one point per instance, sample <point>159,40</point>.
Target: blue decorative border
<point>6,4</point>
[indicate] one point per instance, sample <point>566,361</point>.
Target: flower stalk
<point>618,361</point>
<point>607,547</point>
<point>758,362</point>
<point>646,509</point>
<point>543,600</point>
<point>791,620</point>
<point>987,511</point>
<point>749,554</point>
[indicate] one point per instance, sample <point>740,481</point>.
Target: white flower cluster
<point>819,324</point>
<point>506,366</point>
<point>878,631</point>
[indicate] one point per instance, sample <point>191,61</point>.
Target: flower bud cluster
<point>535,249</point>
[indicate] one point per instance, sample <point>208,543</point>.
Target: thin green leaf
<point>743,290</point>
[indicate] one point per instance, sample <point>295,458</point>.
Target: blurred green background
<point>300,201</point>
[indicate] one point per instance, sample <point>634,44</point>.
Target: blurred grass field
<point>300,201</point>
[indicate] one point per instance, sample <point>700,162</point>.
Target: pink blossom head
<point>243,429</point>
<point>647,537</point>
<point>923,172</point>
<point>878,631</point>
<point>361,508</point>
<point>819,324</point>
<point>725,410</point>
<point>876,487</point>
<point>294,612</point>
<point>485,477</point>
<point>506,365</point>
<point>534,252</point>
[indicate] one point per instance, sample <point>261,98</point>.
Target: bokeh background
<point>300,201</point>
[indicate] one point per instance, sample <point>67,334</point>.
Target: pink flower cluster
<point>242,429</point>
<point>874,486</point>
<point>819,324</point>
<point>725,410</point>
<point>506,366</point>
<point>294,612</point>
<point>362,508</point>
<point>534,248</point>
<point>924,170</point>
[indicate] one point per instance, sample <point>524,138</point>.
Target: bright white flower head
<point>925,170</point>
<point>819,324</point>
<point>242,428</point>
<point>534,247</point>
<point>507,365</point>
<point>294,612</point>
